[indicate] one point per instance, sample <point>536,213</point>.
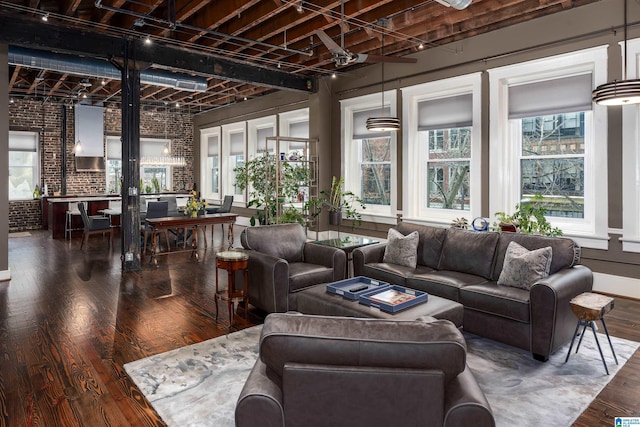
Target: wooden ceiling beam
<point>59,83</point>
<point>14,77</point>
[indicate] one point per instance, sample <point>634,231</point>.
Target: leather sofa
<point>339,371</point>
<point>464,266</point>
<point>282,263</point>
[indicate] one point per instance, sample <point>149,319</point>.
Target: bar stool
<point>72,211</point>
<point>232,261</point>
<point>589,307</point>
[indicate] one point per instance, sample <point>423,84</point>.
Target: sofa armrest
<point>268,282</point>
<point>367,254</point>
<point>552,321</point>
<point>260,401</point>
<point>465,401</point>
<point>328,256</point>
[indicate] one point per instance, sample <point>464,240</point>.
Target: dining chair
<point>94,224</point>
<point>227,203</point>
<point>154,210</point>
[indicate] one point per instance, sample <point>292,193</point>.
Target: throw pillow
<point>522,267</point>
<point>401,249</point>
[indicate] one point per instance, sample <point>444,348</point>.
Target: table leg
<point>154,242</point>
<point>230,289</point>
<point>194,242</point>
<point>230,236</point>
<point>246,295</point>
<point>215,298</point>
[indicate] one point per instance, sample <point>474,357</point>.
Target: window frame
<point>590,231</point>
<point>36,168</point>
<point>227,178</point>
<point>350,166</point>
<point>414,149</point>
<point>206,191</point>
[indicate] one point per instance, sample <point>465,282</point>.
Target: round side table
<point>232,261</point>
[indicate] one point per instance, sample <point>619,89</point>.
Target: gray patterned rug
<point>198,385</point>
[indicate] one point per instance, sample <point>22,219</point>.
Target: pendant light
<point>622,92</point>
<point>382,123</point>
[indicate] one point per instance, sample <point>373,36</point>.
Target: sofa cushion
<point>284,241</point>
<point>522,267</point>
<point>327,340</point>
<point>443,283</point>
<point>303,275</point>
<point>429,244</point>
<point>401,249</point>
<point>491,298</point>
<point>469,252</point>
<point>566,252</point>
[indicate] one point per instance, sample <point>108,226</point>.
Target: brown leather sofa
<point>338,371</point>
<point>464,266</point>
<point>282,262</point>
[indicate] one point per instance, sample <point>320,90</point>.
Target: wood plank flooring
<point>70,320</point>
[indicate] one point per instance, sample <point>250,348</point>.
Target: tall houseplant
<point>337,202</point>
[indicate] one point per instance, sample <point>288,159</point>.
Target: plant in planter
<point>529,217</point>
<point>261,175</point>
<point>337,201</point>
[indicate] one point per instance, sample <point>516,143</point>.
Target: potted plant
<point>338,202</point>
<point>529,217</point>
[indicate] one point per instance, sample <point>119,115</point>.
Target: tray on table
<point>393,298</point>
<point>352,288</point>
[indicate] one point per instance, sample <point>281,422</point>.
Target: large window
<point>24,164</point>
<point>210,163</point>
<point>442,150</point>
<point>369,157</point>
<point>544,133</point>
<point>155,174</point>
<point>233,156</point>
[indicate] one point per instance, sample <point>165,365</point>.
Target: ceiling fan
<point>342,56</point>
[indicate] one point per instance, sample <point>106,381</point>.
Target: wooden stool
<point>232,261</point>
<point>589,307</point>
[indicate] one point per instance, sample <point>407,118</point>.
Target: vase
<point>335,218</point>
<point>193,214</point>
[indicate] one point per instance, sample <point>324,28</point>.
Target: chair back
<point>157,209</point>
<point>85,217</point>
<point>172,204</point>
<point>226,205</point>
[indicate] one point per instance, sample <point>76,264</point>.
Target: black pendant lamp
<point>383,123</point>
<point>619,92</point>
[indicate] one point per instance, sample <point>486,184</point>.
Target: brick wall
<point>46,119</point>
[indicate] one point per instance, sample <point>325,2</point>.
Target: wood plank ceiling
<point>277,34</point>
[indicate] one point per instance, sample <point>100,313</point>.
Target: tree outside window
<point>375,171</point>
<point>552,162</point>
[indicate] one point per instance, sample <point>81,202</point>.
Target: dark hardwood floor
<point>70,320</point>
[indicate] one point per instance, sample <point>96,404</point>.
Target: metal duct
<point>89,67</point>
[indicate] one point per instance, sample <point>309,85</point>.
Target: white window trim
<point>226,183</point>
<point>37,167</point>
<point>631,157</point>
<point>291,117</point>
<point>350,154</point>
<point>592,231</point>
<point>204,154</point>
<point>412,172</point>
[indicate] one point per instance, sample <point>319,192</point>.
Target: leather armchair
<point>338,371</point>
<point>282,262</point>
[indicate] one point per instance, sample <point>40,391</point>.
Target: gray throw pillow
<point>401,249</point>
<point>522,267</point>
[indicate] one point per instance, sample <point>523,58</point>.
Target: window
<point>155,175</point>
<point>294,124</point>
<point>369,157</point>
<point>233,156</point>
<point>210,163</point>
<point>24,164</point>
<point>442,150</point>
<point>543,137</point>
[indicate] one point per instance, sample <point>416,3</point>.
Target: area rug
<point>20,234</point>
<point>199,385</point>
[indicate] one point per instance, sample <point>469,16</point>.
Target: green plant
<point>156,184</point>
<point>336,199</point>
<point>194,204</point>
<point>529,217</point>
<point>259,175</point>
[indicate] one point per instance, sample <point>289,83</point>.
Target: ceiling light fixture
<point>45,17</point>
<point>619,92</point>
<point>383,123</point>
<point>456,4</point>
<point>147,40</point>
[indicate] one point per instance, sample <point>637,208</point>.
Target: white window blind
<point>151,148</point>
<point>360,130</point>
<point>23,141</point>
<point>563,95</point>
<point>262,139</point>
<point>213,145</point>
<point>236,141</point>
<point>299,130</point>
<point>446,113</point>
<point>114,149</point>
